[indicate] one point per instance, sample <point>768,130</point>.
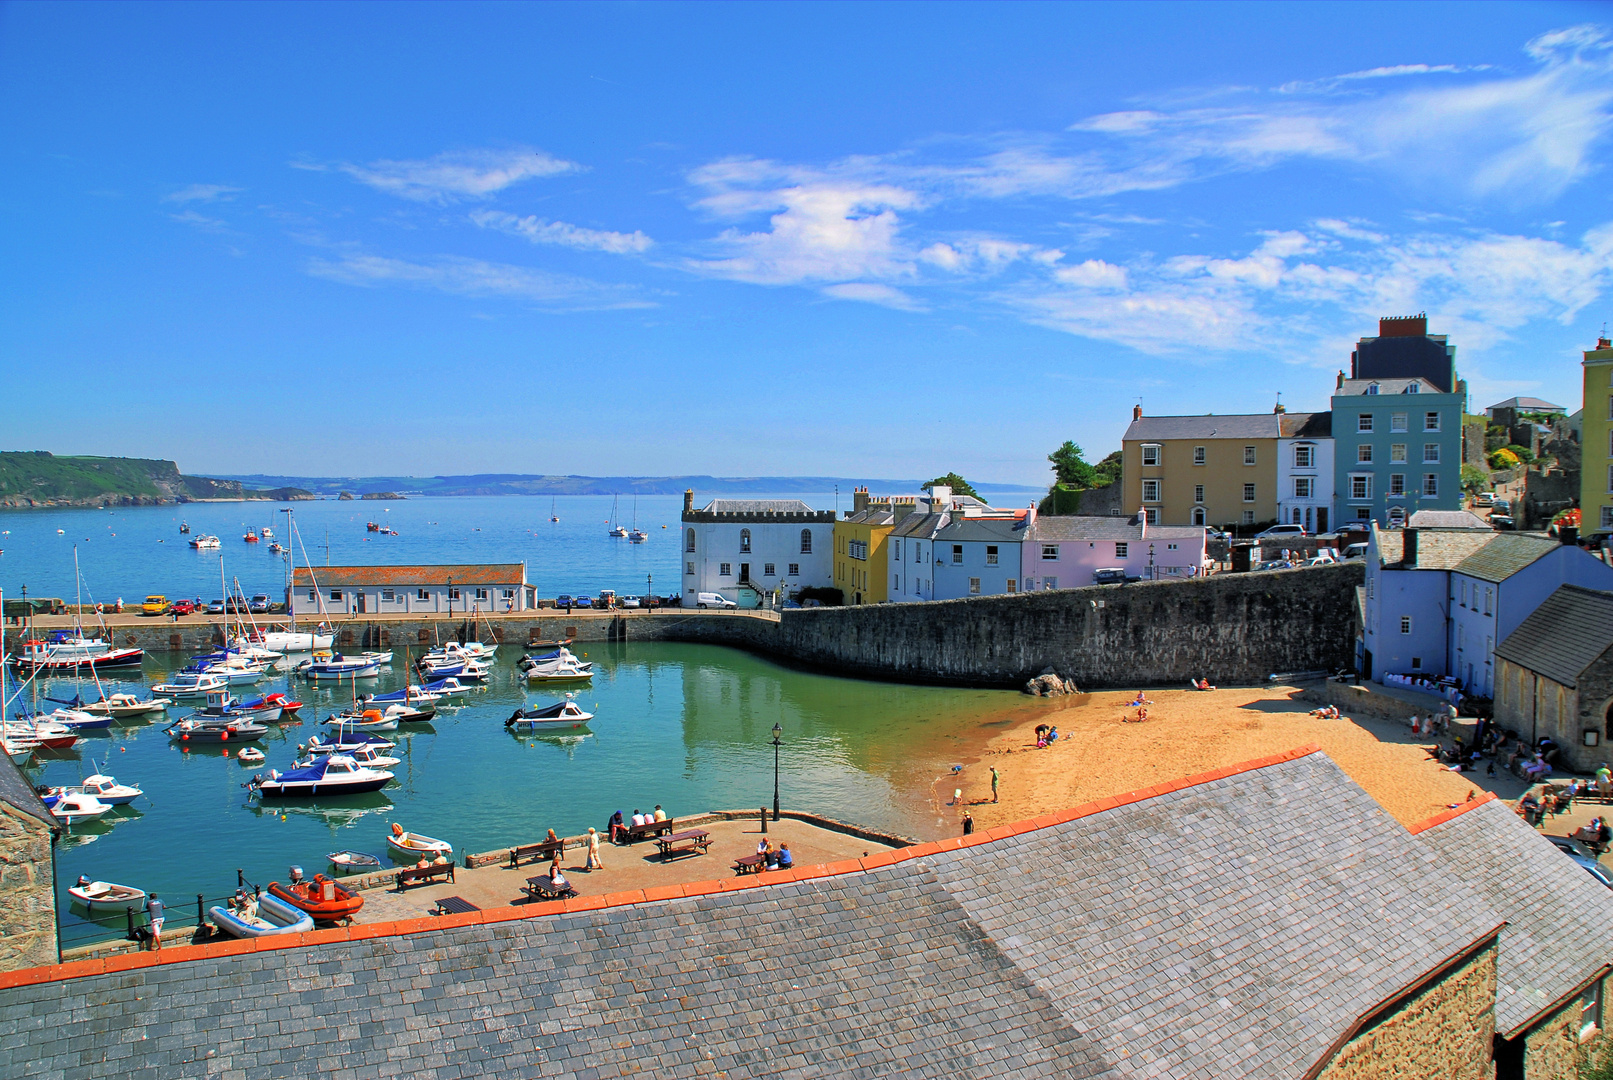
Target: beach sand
<point>1190,732</point>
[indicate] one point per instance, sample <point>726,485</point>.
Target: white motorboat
<point>20,749</point>
<point>453,651</point>
<point>79,720</point>
<point>560,671</point>
<point>108,790</point>
<point>120,706</point>
<point>371,720</point>
<point>381,659</point>
<point>291,641</point>
<point>409,695</point>
<point>331,774</point>
<point>561,716</point>
<point>201,543</point>
<point>449,687</point>
<point>453,668</point>
<point>345,742</point>
<point>366,755</point>
<point>413,845</point>
<point>192,684</point>
<point>106,894</point>
<point>74,807</point>
<point>337,667</point>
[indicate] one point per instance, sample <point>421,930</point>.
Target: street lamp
<point>450,599</point>
<point>777,731</point>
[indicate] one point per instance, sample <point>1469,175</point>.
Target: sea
<point>687,726</point>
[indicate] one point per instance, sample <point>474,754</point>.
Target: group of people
<point>1198,684</point>
<point>619,823</point>
<point>1326,712</point>
<point>1046,734</point>
<point>780,859</point>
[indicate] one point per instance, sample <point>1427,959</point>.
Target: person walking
<point>593,851</point>
<point>995,779</point>
<point>154,917</point>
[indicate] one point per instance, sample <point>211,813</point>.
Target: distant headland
<point>40,479</point>
<point>535,484</point>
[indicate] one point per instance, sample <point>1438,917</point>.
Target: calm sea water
<point>686,726</point>
<point>129,552</point>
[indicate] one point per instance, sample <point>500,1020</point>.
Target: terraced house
<point>1201,470</point>
<point>1596,441</point>
<point>862,570</point>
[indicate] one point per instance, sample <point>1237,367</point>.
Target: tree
<point>1474,477</point>
<point>958,484</point>
<point>1070,468</point>
<point>1108,470</point>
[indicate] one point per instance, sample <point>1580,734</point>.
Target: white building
<point>409,590</point>
<point>1305,471</point>
<point>746,549</point>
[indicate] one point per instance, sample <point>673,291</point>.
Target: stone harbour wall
<point>27,894</point>
<point>1445,1030</point>
<point>1552,1049</point>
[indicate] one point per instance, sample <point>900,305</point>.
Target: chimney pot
<point>1136,412</point>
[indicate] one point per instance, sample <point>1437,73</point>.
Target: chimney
<point>1604,342</point>
<point>1136,412</point>
<point>1404,325</point>
<point>1340,384</point>
<point>1279,408</point>
<point>688,500</point>
<point>1408,548</point>
<point>859,500</point>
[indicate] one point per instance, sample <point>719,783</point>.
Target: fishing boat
<point>64,653</point>
<point>561,716</point>
<point>266,532</point>
<point>184,528</point>
<point>269,709</point>
<point>402,714</point>
<point>344,742</point>
<point>191,684</point>
<point>413,845</point>
<point>261,917</point>
<point>369,720</point>
<point>321,898</point>
<point>94,894</point>
<point>250,537</point>
<point>416,696</point>
<point>547,645</point>
<point>250,755</point>
<point>337,667</point>
<point>122,706</point>
<point>205,542</point>
<point>330,774</point>
<point>210,729</point>
<point>42,730</point>
<point>74,807</point>
<point>353,862</point>
<point>556,667</point>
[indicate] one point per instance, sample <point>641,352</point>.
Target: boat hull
<point>107,894</point>
<point>427,846</point>
<point>353,862</point>
<point>112,658</point>
<point>344,905</point>
<point>281,917</point>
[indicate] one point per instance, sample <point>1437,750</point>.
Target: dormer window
<point>1372,388</point>
<point>1412,388</point>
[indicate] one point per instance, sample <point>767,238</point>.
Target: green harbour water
<point>686,726</point>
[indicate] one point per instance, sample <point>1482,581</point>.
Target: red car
<point>181,607</point>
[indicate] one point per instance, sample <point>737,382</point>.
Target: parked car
<point>563,600</point>
<point>1281,530</point>
<point>1502,521</point>
<point>1582,855</point>
<point>154,605</point>
<point>1501,506</point>
<point>216,607</point>
<point>711,599</point>
<point>630,601</point>
<point>181,607</point>
<point>1321,558</point>
<point>1354,551</point>
<point>584,601</point>
<point>1217,534</point>
<point>1112,575</point>
<point>1484,498</point>
<point>259,604</point>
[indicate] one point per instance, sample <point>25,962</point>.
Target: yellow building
<point>1201,470</point>
<point>861,568</point>
<point>1596,441</point>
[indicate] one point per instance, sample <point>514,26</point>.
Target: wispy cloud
<point>454,177</point>
<point>872,293</point>
<point>476,278</point>
<point>202,193</point>
<point>1396,71</point>
<point>540,231</point>
<point>201,222</point>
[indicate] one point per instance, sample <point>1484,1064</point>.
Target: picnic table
<point>542,888</point>
<point>750,864</point>
<point>692,842</point>
<point>454,905</point>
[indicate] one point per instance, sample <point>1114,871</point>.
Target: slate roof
<point>960,529</point>
<point>1527,404</point>
<point>1386,387</point>
<point>1240,925</point>
<point>1447,519</point>
<point>922,526</point>
<point>1561,637</point>
<point>1505,555</point>
<point>1559,931</point>
<point>756,506</point>
<point>1316,425</point>
<point>1071,527</point>
<point>1232,426</point>
<point>872,517</point>
<point>334,577</point>
<point>17,793</point>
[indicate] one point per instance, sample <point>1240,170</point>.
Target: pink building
<point>1064,552</point>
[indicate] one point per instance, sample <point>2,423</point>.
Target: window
<point>725,569</point>
<point>1416,663</point>
<point>1198,492</point>
<point>795,569</point>
<point>1610,478</point>
<point>1364,513</point>
<point>744,541</point>
<point>422,594</point>
<point>1431,421</point>
<point>388,596</point>
<point>1150,491</point>
<point>1489,596</point>
<point>1397,451</point>
<point>1361,485</point>
<point>1590,1009</point>
<point>509,594</point>
<point>1405,624</point>
<point>688,568</point>
<point>1397,421</point>
<point>806,541</point>
<point>1121,548</point>
<point>1607,511</point>
<point>481,594</point>
<point>1013,585</point>
<point>1413,388</point>
<point>1151,453</point>
<point>1397,484</point>
<point>336,594</point>
<point>1302,487</point>
<point>974,586</point>
<point>453,594</point>
<point>1304,457</point>
<point>1430,485</point>
<point>688,540</point>
<point>313,595</point>
<point>1050,583</point>
<point>1372,389</point>
<point>991,554</point>
<point>897,551</point>
<point>1050,552</point>
<point>1248,455</point>
<point>1363,453</point>
<point>1431,453</point>
<point>1363,422</point>
<point>1248,517</point>
<point>1198,455</point>
<point>1198,515</point>
<point>1151,516</point>
<point>1248,493</point>
<point>957,554</point>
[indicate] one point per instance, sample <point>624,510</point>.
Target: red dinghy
<point>322,898</point>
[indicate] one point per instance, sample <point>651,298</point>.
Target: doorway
<point>361,603</point>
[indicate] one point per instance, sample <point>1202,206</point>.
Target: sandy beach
<point>1187,732</point>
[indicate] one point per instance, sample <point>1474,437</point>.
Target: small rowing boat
<point>106,894</point>
<point>413,845</point>
<point>353,862</point>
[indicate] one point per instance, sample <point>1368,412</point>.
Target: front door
<point>1321,519</point>
<point>744,572</point>
<point>361,603</point>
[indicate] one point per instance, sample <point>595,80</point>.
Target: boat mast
<point>291,573</point>
<point>78,604</point>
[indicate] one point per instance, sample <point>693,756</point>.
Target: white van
<point>711,599</point>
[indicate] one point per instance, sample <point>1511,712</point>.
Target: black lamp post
<point>777,731</point>
<point>450,599</point>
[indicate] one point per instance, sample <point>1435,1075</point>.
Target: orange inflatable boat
<point>322,898</point>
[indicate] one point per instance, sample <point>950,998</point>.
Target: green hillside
<point>38,478</point>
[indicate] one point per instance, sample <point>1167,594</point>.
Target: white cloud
<point>540,231</point>
<point>1092,274</point>
<point>453,177</point>
<point>476,278</point>
<point>200,221</point>
<point>872,293</point>
<point>202,193</point>
<point>1396,71</point>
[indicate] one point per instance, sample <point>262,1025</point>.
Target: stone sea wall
<point>27,895</point>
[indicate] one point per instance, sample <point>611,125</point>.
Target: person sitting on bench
<point>556,878</point>
<point>617,828</point>
<point>785,860</point>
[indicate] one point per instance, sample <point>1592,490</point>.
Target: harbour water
<point>686,726</point>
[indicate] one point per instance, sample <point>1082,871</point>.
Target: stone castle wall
<point>27,894</point>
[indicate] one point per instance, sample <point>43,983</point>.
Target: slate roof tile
<point>1560,638</point>
<point>1230,426</point>
<point>357,576</point>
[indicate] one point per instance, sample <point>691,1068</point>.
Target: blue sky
<point>772,239</point>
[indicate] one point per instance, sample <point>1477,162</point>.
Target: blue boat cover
<point>314,772</point>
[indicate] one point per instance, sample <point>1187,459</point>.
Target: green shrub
<point>1522,453</point>
<point>1503,459</point>
<point>1474,478</point>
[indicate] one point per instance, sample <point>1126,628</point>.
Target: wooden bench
<point>636,833</point>
<point>750,864</point>
<point>693,842</point>
<point>416,874</point>
<point>541,888</point>
<point>546,850</point>
<point>454,905</point>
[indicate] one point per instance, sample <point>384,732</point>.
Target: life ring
<point>397,830</point>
